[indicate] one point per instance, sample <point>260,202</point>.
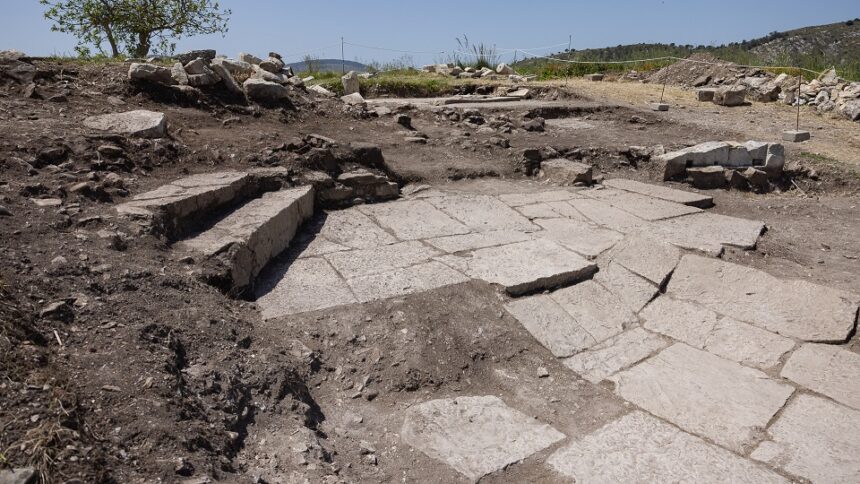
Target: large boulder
<point>350,83</point>
<point>730,95</point>
<point>566,172</point>
<point>265,91</point>
<point>150,73</point>
<point>273,65</point>
<point>139,124</point>
<point>179,75</point>
<point>851,110</point>
<point>186,57</point>
<point>227,79</point>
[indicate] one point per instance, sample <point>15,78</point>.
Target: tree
<point>134,26</point>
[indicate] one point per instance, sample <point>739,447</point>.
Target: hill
<point>328,65</point>
<point>815,48</point>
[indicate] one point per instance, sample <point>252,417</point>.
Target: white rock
<point>139,123</point>
<point>350,83</point>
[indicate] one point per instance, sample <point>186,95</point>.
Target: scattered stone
<point>504,69</point>
<point>404,120</point>
<point>701,81</point>
<point>756,179</point>
<point>614,354</point>
<point>273,65</point>
<point>796,136</point>
<point>816,439</point>
<point>5,212</point>
<point>659,106</point>
<point>704,394</point>
<point>59,310</point>
<point>415,139</point>
<point>150,73</point>
<point>730,95</point>
<point>475,435</point>
<point>594,77</point>
<point>354,99</point>
<point>523,267</point>
<point>640,449</point>
<point>227,79</point>
<point>537,124</point>
<point>265,91</point>
<point>249,58</point>
<point>829,370</point>
<point>21,475</point>
<point>205,54</point>
<point>793,308</point>
<point>350,83</point>
<point>708,177</point>
<point>321,91</point>
<point>705,95</point>
<point>566,172</point>
<point>139,123</point>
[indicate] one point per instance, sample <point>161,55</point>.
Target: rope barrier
<point>393,50</point>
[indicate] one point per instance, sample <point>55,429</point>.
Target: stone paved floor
<point>733,375</point>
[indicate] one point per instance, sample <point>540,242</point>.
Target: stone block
<point>708,177</point>
<point>796,136</point>
<point>705,94</point>
<point>566,172</point>
<point>350,83</point>
<point>730,95</point>
<point>659,106</point>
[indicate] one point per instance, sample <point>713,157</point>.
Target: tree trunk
<point>114,50</point>
<point>143,45</point>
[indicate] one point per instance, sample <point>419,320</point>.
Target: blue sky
<point>294,28</point>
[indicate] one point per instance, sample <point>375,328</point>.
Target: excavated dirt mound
<point>701,66</point>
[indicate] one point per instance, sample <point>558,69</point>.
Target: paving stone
<point>524,266</point>
<point>354,229</point>
<point>793,308</point>
<point>816,439</point>
<point>633,291</point>
<point>706,231</point>
<point>475,435</point>
<point>639,448</point>
<point>317,246</point>
<point>414,219</point>
<point>552,326</point>
<point>408,280</point>
<point>482,213</point>
<point>459,243</point>
<point>646,256</point>
<point>829,370</point>
<point>642,206</point>
<point>363,262</point>
<point>572,319</point>
<point>300,286</point>
<point>704,394</point>
<point>704,329</point>
<point>614,354</point>
<point>566,210</point>
<point>520,199</point>
<point>537,210</point>
<point>582,237</point>
<point>608,216</point>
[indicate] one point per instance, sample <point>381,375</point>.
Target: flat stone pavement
<point>731,374</point>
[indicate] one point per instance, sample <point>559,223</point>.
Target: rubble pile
<point>502,71</point>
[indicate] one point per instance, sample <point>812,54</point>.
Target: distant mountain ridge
<point>328,65</point>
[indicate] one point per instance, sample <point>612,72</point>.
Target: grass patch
<point>403,83</point>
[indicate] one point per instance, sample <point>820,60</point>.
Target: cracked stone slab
<point>482,213</point>
<point>708,232</point>
<point>793,308</point>
<point>704,394</point>
<point>829,370</point>
<point>572,319</point>
<point>816,439</point>
<point>479,240</point>
<point>407,280</point>
<point>523,267</point>
<point>352,228</point>
<point>581,237</point>
<point>633,291</point>
<point>614,354</point>
<point>638,448</point>
<point>642,206</point>
<point>414,219</point>
<point>704,329</point>
<point>475,435</point>
<point>664,193</point>
<point>606,215</point>
<point>300,286</point>
<point>648,257</point>
<point>520,199</point>
<point>364,262</point>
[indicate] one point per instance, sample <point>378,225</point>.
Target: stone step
<point>176,209</point>
<point>249,237</point>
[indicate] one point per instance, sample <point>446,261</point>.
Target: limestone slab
<point>614,354</point>
<point>520,199</point>
<point>482,213</point>
<point>354,229</point>
<point>595,309</point>
<point>639,448</point>
<point>479,240</point>
<point>139,123</point>
<point>475,435</point>
<point>551,325</point>
<point>792,308</point>
<point>816,439</point>
<point>414,219</point>
<point>583,238</point>
<point>664,193</point>
<point>704,231</point>
<point>647,257</point>
<point>407,280</point>
<point>704,394</point>
<point>704,329</point>
<point>829,370</point>
<point>633,291</point>
<point>537,210</point>
<point>642,206</point>
<point>300,286</point>
<point>606,215</point>
<point>566,210</point>
<point>364,262</point>
<point>523,267</point>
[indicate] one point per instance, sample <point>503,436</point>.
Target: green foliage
<point>474,55</point>
<point>404,82</point>
<point>134,26</point>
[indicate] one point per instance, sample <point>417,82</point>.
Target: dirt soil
<point>117,364</point>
